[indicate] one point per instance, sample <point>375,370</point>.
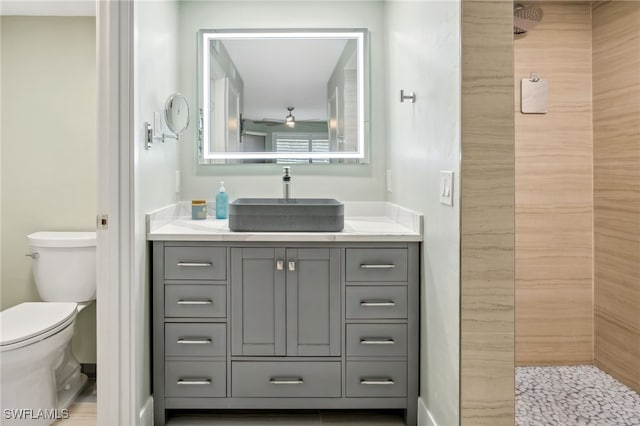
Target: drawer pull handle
<point>377,342</point>
<point>377,303</point>
<point>194,382</point>
<point>377,382</point>
<point>195,264</point>
<point>283,381</point>
<point>195,302</point>
<point>377,266</point>
<point>194,341</point>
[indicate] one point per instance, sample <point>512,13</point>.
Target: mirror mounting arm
<point>149,138</point>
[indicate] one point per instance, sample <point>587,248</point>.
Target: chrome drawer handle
<point>194,341</point>
<point>377,342</point>
<point>284,381</point>
<point>377,303</point>
<point>377,266</point>
<point>195,264</point>
<point>195,302</point>
<point>377,382</point>
<point>203,381</point>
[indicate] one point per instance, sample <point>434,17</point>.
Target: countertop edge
<point>397,216</point>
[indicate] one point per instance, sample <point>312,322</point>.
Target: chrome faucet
<point>286,182</point>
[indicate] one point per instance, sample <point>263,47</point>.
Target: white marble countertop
<point>363,222</point>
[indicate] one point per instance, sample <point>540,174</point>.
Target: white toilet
<point>39,376</point>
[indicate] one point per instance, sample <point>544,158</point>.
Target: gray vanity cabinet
<point>285,326</point>
<point>286,302</point>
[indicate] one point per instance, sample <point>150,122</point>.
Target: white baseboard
<point>424,416</point>
<point>146,413</point>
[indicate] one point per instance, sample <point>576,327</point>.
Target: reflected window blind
<point>301,142</point>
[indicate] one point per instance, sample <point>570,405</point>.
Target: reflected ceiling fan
<point>289,120</point>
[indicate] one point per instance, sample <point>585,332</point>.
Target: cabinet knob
<point>292,266</point>
<point>280,265</point>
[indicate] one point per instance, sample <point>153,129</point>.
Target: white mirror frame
<point>204,133</point>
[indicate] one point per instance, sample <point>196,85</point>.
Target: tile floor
<point>83,413</point>
<point>573,396</point>
<point>297,418</point>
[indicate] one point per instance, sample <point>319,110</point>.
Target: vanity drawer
<point>195,339</point>
<point>286,379</point>
<point>195,300</point>
<point>377,264</point>
<point>195,263</point>
<point>195,379</point>
<point>376,378</point>
<point>376,340</point>
<point>383,301</point>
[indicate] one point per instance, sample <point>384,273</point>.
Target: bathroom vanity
<point>245,320</point>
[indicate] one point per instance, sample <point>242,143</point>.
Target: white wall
<point>48,147</point>
<point>345,182</point>
<point>155,79</point>
<point>423,48</point>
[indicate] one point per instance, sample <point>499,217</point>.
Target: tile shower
<point>578,217</point>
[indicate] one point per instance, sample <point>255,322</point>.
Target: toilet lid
<point>33,319</point>
<point>62,239</point>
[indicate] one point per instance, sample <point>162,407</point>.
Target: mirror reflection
<point>176,113</point>
<point>286,97</point>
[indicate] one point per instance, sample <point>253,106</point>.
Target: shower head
<point>525,17</point>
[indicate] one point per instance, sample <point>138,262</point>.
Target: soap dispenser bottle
<point>222,203</point>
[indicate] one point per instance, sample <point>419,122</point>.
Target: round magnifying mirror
<point>176,113</point>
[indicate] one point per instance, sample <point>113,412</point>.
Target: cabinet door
<point>313,302</point>
<point>258,323</point>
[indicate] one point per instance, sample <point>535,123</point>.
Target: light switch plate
<point>446,187</point>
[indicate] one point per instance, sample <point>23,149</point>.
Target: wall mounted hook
<point>411,96</point>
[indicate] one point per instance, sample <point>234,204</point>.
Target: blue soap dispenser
<point>222,203</point>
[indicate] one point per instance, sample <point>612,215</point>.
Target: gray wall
<point>155,78</point>
<point>423,47</point>
<point>48,147</point>
<point>345,182</point>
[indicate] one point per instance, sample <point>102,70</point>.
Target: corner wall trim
<point>424,416</point>
<point>145,417</point>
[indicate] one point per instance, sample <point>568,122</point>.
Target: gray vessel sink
<point>292,215</point>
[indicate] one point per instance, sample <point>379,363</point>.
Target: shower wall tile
<point>616,87</point>
<point>554,206</point>
<point>487,366</point>
<point>486,210</point>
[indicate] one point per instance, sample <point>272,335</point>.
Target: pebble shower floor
<point>573,396</point>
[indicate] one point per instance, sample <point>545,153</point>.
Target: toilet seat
<point>30,322</point>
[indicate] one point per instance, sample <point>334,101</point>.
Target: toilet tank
<point>64,268</point>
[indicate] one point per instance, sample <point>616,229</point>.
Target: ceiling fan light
<point>290,120</point>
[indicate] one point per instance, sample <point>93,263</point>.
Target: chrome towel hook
<point>411,96</point>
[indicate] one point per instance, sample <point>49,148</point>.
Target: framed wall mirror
<point>285,96</point>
